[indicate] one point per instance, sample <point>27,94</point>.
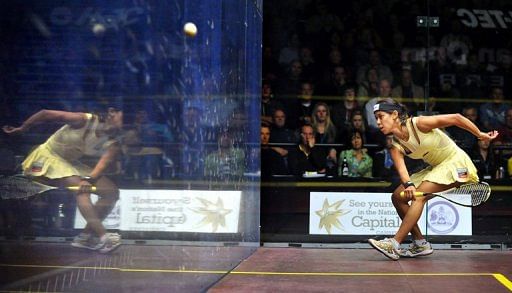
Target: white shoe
<point>109,242</point>
<point>386,247</point>
<point>415,250</point>
<point>85,241</point>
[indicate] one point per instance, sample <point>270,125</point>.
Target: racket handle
<point>76,188</point>
<point>416,193</point>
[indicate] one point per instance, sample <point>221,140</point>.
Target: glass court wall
<point>189,168</point>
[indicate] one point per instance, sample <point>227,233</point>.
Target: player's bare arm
<point>74,119</point>
<point>401,168</point>
<point>106,160</point>
<point>427,123</point>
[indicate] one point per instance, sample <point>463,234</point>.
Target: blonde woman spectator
<point>322,124</point>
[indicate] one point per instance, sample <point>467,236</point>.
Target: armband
<point>407,184</point>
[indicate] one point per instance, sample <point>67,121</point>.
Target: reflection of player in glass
<point>56,162</point>
<point>449,166</point>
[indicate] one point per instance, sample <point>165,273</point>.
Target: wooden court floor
<point>57,267</point>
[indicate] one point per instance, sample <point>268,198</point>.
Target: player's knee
<point>115,194</point>
<point>396,198</point>
<point>112,194</point>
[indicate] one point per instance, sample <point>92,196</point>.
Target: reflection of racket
<point>16,187</point>
<point>479,193</point>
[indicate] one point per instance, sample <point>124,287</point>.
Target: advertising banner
<point>361,213</point>
<point>174,210</point>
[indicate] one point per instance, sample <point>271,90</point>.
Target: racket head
<point>18,187</point>
<point>479,193</point>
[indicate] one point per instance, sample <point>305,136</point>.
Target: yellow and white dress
<point>59,156</point>
<point>448,163</point>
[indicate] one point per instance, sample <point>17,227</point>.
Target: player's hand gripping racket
<point>478,192</point>
<point>17,187</point>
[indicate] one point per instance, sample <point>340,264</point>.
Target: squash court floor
<point>57,267</point>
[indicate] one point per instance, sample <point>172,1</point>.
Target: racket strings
<point>479,192</point>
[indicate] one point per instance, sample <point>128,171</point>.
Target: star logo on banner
<point>330,214</point>
<point>214,213</point>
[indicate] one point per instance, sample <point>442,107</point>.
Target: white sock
<point>396,245</point>
<point>420,242</point>
<point>103,238</point>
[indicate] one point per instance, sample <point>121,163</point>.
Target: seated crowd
<point>324,135</point>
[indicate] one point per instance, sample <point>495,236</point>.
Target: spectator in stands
<point>383,166</point>
<point>238,127</point>
<point>484,160</point>
<point>357,122</point>
<point>301,110</point>
<point>143,147</point>
<point>309,65</point>
<point>492,113</point>
<point>291,51</point>
<point>504,71</point>
<point>336,83</point>
<point>359,162</point>
<point>270,67</point>
<point>384,92</point>
<point>274,160</point>
<point>369,87</point>
<point>472,77</point>
<point>306,157</point>
<point>227,162</point>
<point>290,82</point>
<point>411,95</point>
<point>505,136</point>
<point>335,59</point>
<point>342,111</point>
<point>280,132</point>
<point>268,103</point>
<point>382,71</point>
<point>325,131</point>
<point>463,138</point>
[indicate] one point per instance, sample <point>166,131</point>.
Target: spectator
<point>289,84</point>
<point>483,158</point>
<point>322,124</point>
<point>472,77</point>
<point>300,111</point>
<point>358,123</point>
<point>383,71</point>
<point>383,166</point>
<point>274,160</point>
<point>505,132</point>
<point>464,138</point>
<point>306,157</point>
<point>280,133</point>
<point>359,162</point>
<point>291,51</point>
<point>335,60</point>
<point>336,83</point>
<point>384,92</point>
<point>369,87</point>
<point>143,145</point>
<point>342,111</point>
<point>227,162</point>
<point>309,65</point>
<point>411,95</point>
<point>268,103</point>
<point>492,114</point>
